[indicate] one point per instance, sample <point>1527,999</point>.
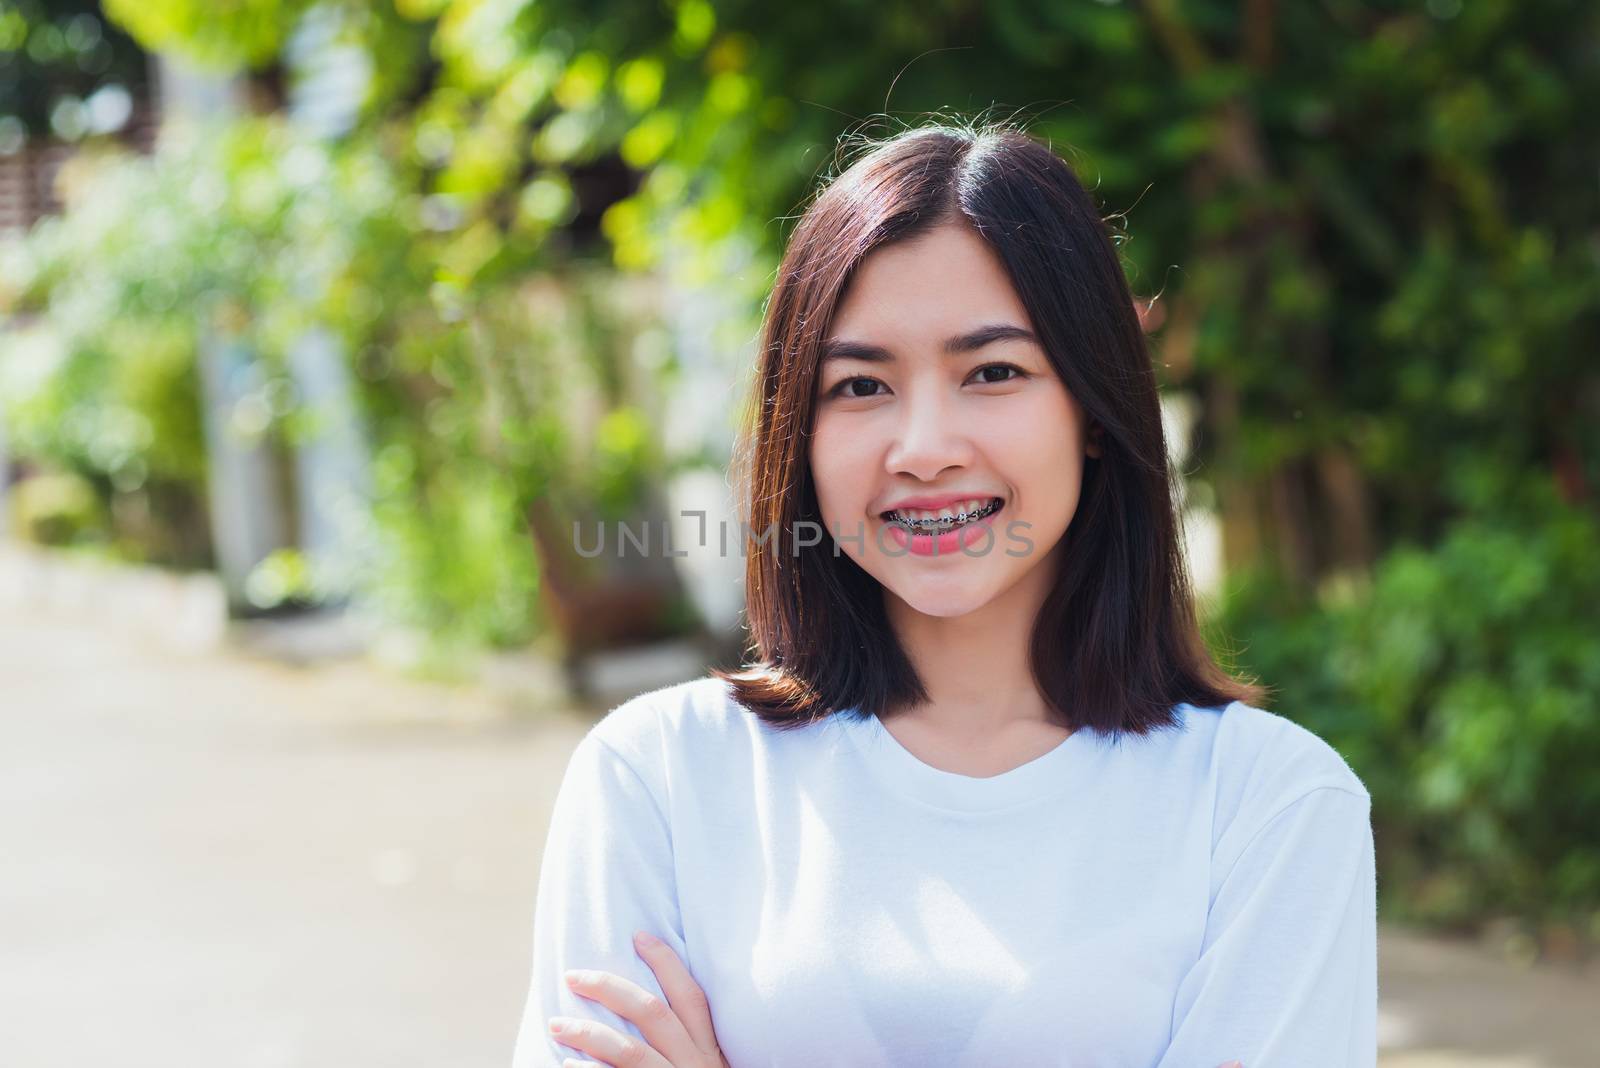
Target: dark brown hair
<point>1116,644</point>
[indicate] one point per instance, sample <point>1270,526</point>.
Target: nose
<point>930,436</point>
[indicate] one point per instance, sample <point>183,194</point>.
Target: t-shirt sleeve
<point>1287,973</point>
<point>607,872</point>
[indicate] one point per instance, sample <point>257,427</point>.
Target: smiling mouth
<point>942,525</point>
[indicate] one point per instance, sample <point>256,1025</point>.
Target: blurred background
<point>323,323</point>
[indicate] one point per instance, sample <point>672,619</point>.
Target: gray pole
<point>245,506</point>
<point>247,520</point>
<point>331,464</point>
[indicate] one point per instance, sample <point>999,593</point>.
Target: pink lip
<point>932,503</point>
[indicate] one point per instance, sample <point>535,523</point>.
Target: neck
<point>976,667</point>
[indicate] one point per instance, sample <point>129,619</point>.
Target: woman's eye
<point>848,387</point>
<point>1018,373</point>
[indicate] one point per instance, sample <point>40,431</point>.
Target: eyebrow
<point>839,349</point>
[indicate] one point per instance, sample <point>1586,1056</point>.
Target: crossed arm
<point>674,1032</point>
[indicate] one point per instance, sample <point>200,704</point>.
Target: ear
<point>1091,445</point>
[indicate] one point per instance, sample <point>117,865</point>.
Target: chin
<point>944,600</point>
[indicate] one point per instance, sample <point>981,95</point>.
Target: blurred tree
<point>1464,685</point>
<point>241,33</point>
<point>54,58</point>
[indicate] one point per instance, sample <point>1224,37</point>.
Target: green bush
<point>1463,684</point>
<point>98,376</point>
<point>58,508</point>
<point>477,399</point>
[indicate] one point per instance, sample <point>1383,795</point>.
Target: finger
<point>652,1016</point>
<point>605,1043</point>
<point>685,996</point>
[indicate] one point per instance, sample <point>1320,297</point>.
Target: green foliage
<point>55,57</point>
<point>1463,685</point>
<point>60,509</point>
<point>480,399</point>
<point>105,385</point>
<point>455,562</point>
<point>247,231</point>
<point>221,35</point>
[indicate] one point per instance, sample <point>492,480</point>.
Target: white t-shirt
<point>1179,899</point>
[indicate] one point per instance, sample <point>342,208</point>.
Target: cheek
<point>1042,453</point>
<point>836,467</point>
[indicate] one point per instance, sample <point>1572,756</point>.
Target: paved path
<point>212,861</point>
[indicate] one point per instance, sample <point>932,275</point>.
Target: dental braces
<point>942,524</point>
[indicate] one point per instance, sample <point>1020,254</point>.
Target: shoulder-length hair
<point>1116,644</point>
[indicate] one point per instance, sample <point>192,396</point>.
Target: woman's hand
<point>678,1030</point>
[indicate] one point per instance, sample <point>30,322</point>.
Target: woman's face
<point>933,392</point>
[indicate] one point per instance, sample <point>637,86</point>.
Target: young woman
<point>983,797</point>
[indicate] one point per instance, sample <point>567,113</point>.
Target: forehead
<point>934,284</point>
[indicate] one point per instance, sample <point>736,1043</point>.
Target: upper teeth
<point>959,510</point>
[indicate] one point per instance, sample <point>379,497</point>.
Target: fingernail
<point>556,1024</point>
<point>644,938</point>
<point>575,977</point>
